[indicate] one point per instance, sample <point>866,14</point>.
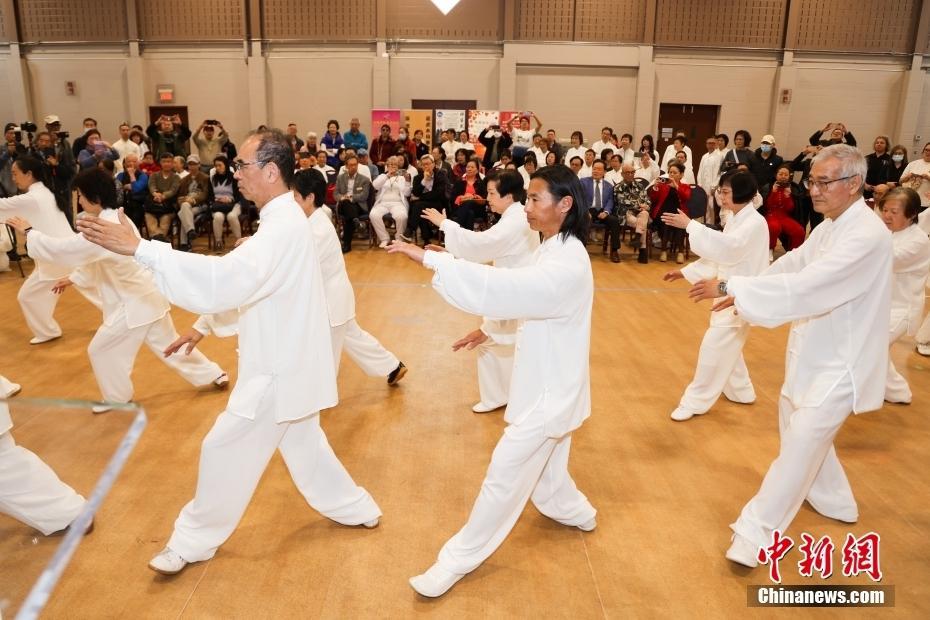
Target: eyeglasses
<point>239,164</point>
<point>823,186</point>
<point>722,191</point>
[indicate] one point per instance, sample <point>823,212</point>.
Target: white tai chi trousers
<point>113,351</point>
<point>720,368</point>
<point>397,210</point>
<point>806,468</point>
<point>234,455</point>
<point>38,303</point>
<point>363,349</point>
<point>923,334</point>
<point>495,366</point>
<point>31,492</point>
<point>896,388</point>
<point>526,464</point>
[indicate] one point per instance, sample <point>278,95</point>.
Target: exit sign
<point>165,93</point>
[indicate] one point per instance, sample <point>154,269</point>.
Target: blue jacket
<point>355,141</point>
<point>607,194</point>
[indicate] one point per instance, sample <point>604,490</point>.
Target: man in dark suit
<point>599,196</point>
<point>430,191</point>
<point>351,196</point>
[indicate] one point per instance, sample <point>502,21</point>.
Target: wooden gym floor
<point>666,492</point>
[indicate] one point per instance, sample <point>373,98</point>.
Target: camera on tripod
<point>27,127</point>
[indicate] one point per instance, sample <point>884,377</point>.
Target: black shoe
<point>397,374</point>
<point>346,249</point>
<point>184,247</point>
<point>191,235</point>
<point>643,256</point>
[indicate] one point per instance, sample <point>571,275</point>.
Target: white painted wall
<point>578,98</point>
<point>439,77</point>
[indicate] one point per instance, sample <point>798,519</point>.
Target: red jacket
<point>659,191</point>
<point>380,151</point>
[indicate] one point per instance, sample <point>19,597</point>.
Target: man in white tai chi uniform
<point>29,490</point>
<point>509,243</point>
<point>134,311</point>
<point>742,249</point>
<point>286,370</point>
<point>550,393</point>
<point>836,291</point>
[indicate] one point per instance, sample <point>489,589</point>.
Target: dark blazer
<point>607,194</point>
<point>764,169</point>
<point>438,194</point>
<point>459,188</point>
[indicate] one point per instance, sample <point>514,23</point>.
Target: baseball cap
<point>193,159</point>
<point>51,119</point>
<point>768,138</point>
<point>363,152</point>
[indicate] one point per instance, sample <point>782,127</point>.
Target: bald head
<point>627,168</point>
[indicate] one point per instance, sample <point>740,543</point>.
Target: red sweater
<point>659,192</point>
<point>777,204</point>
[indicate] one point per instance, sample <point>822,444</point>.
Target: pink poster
<point>507,116</point>
<point>385,117</point>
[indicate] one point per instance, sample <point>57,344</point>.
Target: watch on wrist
<point>722,288</point>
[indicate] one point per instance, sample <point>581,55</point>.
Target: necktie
<point>597,195</point>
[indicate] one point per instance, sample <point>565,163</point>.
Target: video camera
<point>27,127</point>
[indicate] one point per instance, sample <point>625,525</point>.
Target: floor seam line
<point>597,588</point>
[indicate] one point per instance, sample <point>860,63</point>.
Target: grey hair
<point>852,162</point>
<point>428,157</point>
<point>274,148</point>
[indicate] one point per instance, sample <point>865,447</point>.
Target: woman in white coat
<point>510,243</point>
<point>550,395</point>
<point>134,311</point>
<point>899,209</point>
<point>740,250</point>
<point>393,189</point>
<point>38,206</point>
<point>29,490</point>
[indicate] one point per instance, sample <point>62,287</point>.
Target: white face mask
<point>897,158</point>
<point>403,136</point>
<point>497,134</point>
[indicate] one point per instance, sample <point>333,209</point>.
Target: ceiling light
<point>445,5</point>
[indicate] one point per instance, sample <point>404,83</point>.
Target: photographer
<point>59,165</point>
<point>169,135</point>
<point>96,151</point>
<point>210,138</point>
<point>12,150</point>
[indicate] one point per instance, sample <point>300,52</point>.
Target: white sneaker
<point>371,524</point>
<point>743,552</point>
<point>384,244</point>
<point>588,526</point>
<point>37,340</point>
<point>771,256</point>
<point>923,348</point>
<point>404,238</point>
<point>168,562</point>
<point>222,382</point>
<point>435,582</point>
<point>482,408</point>
<point>746,397</point>
<point>15,389</point>
<point>100,408</point>
<point>681,414</point>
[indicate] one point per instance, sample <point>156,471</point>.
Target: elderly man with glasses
<point>835,290</point>
<point>631,201</point>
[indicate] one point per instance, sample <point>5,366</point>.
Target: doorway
<point>696,122</point>
<point>156,111</point>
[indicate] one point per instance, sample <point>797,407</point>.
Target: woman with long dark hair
<point>550,394</point>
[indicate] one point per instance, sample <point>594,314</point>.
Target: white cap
<point>768,138</point>
<point>51,119</point>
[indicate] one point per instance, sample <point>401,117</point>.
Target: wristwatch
<point>722,288</point>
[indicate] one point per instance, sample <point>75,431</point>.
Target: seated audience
<point>351,194</point>
<point>135,189</point>
<point>160,206</point>
<point>599,198</point>
<point>632,206</point>
<point>192,198</point>
<point>469,197</point>
<point>782,203</point>
<point>668,195</point>
<point>225,202</point>
<point>393,188</point>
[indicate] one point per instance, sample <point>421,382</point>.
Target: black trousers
<point>466,213</point>
<point>414,221</point>
<point>348,211</point>
<point>612,224</point>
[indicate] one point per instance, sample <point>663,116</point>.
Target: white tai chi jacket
<point>911,267</point>
<point>340,297</point>
<point>285,349</point>
<point>39,208</point>
<point>122,282</point>
<point>836,291</point>
<point>509,243</point>
<point>553,299</point>
<point>6,423</point>
<point>742,249</point>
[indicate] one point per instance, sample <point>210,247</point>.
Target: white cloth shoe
<point>588,526</point>
<point>371,524</point>
<point>384,244</point>
<point>15,388</point>
<point>37,340</point>
<point>168,562</point>
<point>404,238</point>
<point>482,408</point>
<point>681,414</point>
<point>222,382</point>
<point>924,348</point>
<point>744,397</point>
<point>435,582</point>
<point>743,552</point>
<point>100,408</point>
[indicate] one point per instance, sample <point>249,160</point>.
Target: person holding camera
<point>210,138</point>
<point>495,142</point>
<point>393,189</point>
<point>59,165</point>
<point>96,151</point>
<point>12,150</point>
<point>169,135</point>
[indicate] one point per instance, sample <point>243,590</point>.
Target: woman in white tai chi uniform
<point>510,243</point>
<point>550,392</point>
<point>286,370</point>
<point>740,250</point>
<point>134,311</point>
<point>835,290</point>
<point>363,348</point>
<point>29,490</point>
<point>899,208</point>
<point>38,206</point>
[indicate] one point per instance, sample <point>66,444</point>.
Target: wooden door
<point>170,110</point>
<point>696,122</point>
